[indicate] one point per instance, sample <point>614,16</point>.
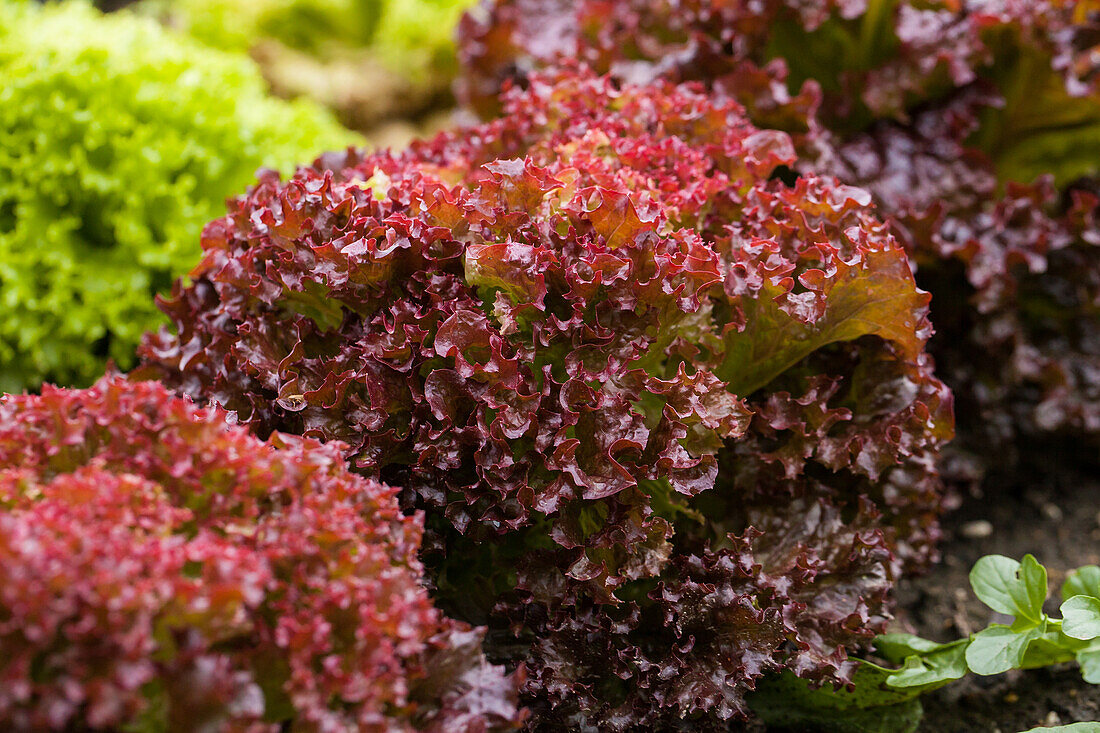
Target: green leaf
<point>1010,587</point>
<point>1084,581</point>
<point>869,691</point>
<point>924,663</point>
<point>1081,617</point>
<point>1071,728</point>
<point>901,718</point>
<point>939,667</point>
<point>787,701</point>
<point>998,649</point>
<point>1050,648</point>
<point>875,296</point>
<point>1089,661</point>
<point>1042,128</point>
<point>896,647</point>
<point>315,303</point>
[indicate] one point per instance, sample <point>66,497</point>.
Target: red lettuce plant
<point>161,569</point>
<point>945,110</point>
<point>1027,68</point>
<point>670,418</point>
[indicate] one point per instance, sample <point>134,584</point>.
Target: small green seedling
<point>1033,639</point>
<point>883,697</point>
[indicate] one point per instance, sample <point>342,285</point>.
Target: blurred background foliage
<point>384,66</point>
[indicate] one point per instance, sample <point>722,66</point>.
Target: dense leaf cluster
<point>946,111</point>
<point>118,142</point>
<point>670,418</point>
<point>161,569</point>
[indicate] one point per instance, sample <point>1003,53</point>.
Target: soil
<point>1054,518</point>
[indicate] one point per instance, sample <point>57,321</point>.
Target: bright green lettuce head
<point>118,141</point>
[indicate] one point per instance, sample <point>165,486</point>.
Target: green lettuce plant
<point>118,141</point>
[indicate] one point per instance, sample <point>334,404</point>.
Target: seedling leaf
<point>1085,581</point>
<point>896,647</point>
<point>998,649</point>
<point>1048,649</point>
<point>944,665</point>
<point>1089,661</point>
<point>1081,617</point>
<point>1010,587</point>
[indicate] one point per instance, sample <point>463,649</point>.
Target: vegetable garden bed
<point>1054,515</point>
<point>718,366</point>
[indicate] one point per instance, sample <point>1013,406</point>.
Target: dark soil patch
<point>1056,519</point>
